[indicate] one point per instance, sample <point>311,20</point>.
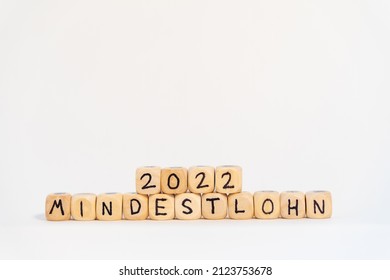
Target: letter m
<point>57,205</point>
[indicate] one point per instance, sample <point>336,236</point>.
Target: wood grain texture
<point>318,204</point>
<point>174,180</point>
<point>148,180</point>
<point>109,207</point>
<point>57,207</point>
<point>188,206</point>
<point>240,206</point>
<point>292,205</point>
<point>201,179</point>
<point>214,206</point>
<point>228,179</point>
<point>266,204</point>
<point>83,207</point>
<point>135,206</point>
<point>161,206</point>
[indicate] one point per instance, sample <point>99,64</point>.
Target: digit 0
<point>173,175</point>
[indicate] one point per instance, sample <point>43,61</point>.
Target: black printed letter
<point>263,207</point>
<point>189,208</point>
<point>161,207</point>
<point>109,211</point>
<point>236,207</point>
<point>316,205</point>
<point>293,207</point>
<point>132,211</point>
<point>57,205</point>
<point>212,203</point>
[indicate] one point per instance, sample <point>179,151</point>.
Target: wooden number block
<point>135,206</point>
<point>267,204</point>
<point>174,180</point>
<point>147,180</point>
<point>292,205</point>
<point>58,207</point>
<point>228,179</point>
<point>201,179</point>
<point>318,204</point>
<point>214,206</point>
<point>83,207</point>
<point>109,207</point>
<point>161,206</point>
<point>240,206</point>
<point>188,206</point>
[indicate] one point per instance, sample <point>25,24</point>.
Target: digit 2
<point>146,186</point>
<point>227,186</point>
<point>201,180</point>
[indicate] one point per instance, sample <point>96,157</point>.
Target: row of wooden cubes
<point>189,206</point>
<point>197,179</point>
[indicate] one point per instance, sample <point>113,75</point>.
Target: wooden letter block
<point>161,206</point>
<point>135,206</point>
<point>318,204</point>
<point>174,180</point>
<point>214,206</point>
<point>267,204</point>
<point>188,206</point>
<point>228,179</point>
<point>147,180</point>
<point>292,205</point>
<point>109,207</point>
<point>201,179</point>
<point>240,206</point>
<point>58,207</point>
<point>83,207</point>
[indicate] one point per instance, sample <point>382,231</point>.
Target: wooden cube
<point>267,204</point>
<point>240,206</point>
<point>214,206</point>
<point>318,204</point>
<point>135,206</point>
<point>147,180</point>
<point>201,179</point>
<point>58,207</point>
<point>188,206</point>
<point>174,180</point>
<point>161,206</point>
<point>292,205</point>
<point>228,179</point>
<point>83,207</point>
<point>109,207</point>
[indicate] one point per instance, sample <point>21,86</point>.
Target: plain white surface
<point>296,92</point>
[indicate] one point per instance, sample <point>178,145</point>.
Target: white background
<point>296,92</point>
